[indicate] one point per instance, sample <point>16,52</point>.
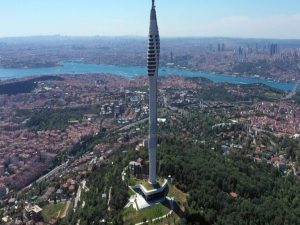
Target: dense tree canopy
<point>25,86</point>
<point>264,197</point>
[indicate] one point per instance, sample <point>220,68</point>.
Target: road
<point>269,132</point>
<point>52,172</point>
<point>46,176</point>
<point>127,127</point>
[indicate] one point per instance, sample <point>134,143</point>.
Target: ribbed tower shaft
<point>153,64</point>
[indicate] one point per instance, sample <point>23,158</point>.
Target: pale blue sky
<point>227,18</point>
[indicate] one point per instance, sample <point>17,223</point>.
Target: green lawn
<point>132,181</point>
<point>131,216</point>
<point>53,211</point>
<point>149,186</point>
<point>171,220</point>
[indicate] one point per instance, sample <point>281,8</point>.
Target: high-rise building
<point>273,49</point>
<point>223,47</point>
<point>240,51</point>
<point>256,48</point>
<point>153,65</point>
<point>2,170</point>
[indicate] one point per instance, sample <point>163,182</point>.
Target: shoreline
<point>130,72</point>
<point>163,68</point>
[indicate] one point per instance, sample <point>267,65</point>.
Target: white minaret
<point>153,63</point>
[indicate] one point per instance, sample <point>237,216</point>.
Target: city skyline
<point>255,19</point>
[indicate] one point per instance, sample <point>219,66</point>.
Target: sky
<point>176,18</point>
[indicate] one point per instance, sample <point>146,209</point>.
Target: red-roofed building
<point>233,194</point>
<point>53,222</point>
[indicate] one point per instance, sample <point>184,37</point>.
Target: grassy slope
<point>53,211</point>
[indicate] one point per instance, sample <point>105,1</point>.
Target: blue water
<point>133,71</point>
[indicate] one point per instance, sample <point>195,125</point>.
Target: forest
<point>260,67</point>
<point>56,119</point>
<point>222,189</point>
<point>263,195</point>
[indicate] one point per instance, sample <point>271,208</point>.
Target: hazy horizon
<point>145,37</point>
<point>269,19</point>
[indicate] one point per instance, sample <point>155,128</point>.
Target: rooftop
<point>149,186</point>
<point>35,209</point>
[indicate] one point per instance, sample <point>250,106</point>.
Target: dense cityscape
<point>239,57</point>
<point>250,120</point>
<point>91,148</point>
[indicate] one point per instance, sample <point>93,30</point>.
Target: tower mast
<point>153,65</point>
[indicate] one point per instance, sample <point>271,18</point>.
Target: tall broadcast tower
<point>153,64</point>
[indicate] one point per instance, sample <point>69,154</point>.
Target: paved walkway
<point>66,210</point>
<point>109,199</point>
<point>156,219</point>
<point>78,194</point>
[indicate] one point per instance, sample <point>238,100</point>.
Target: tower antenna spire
<point>153,3</point>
